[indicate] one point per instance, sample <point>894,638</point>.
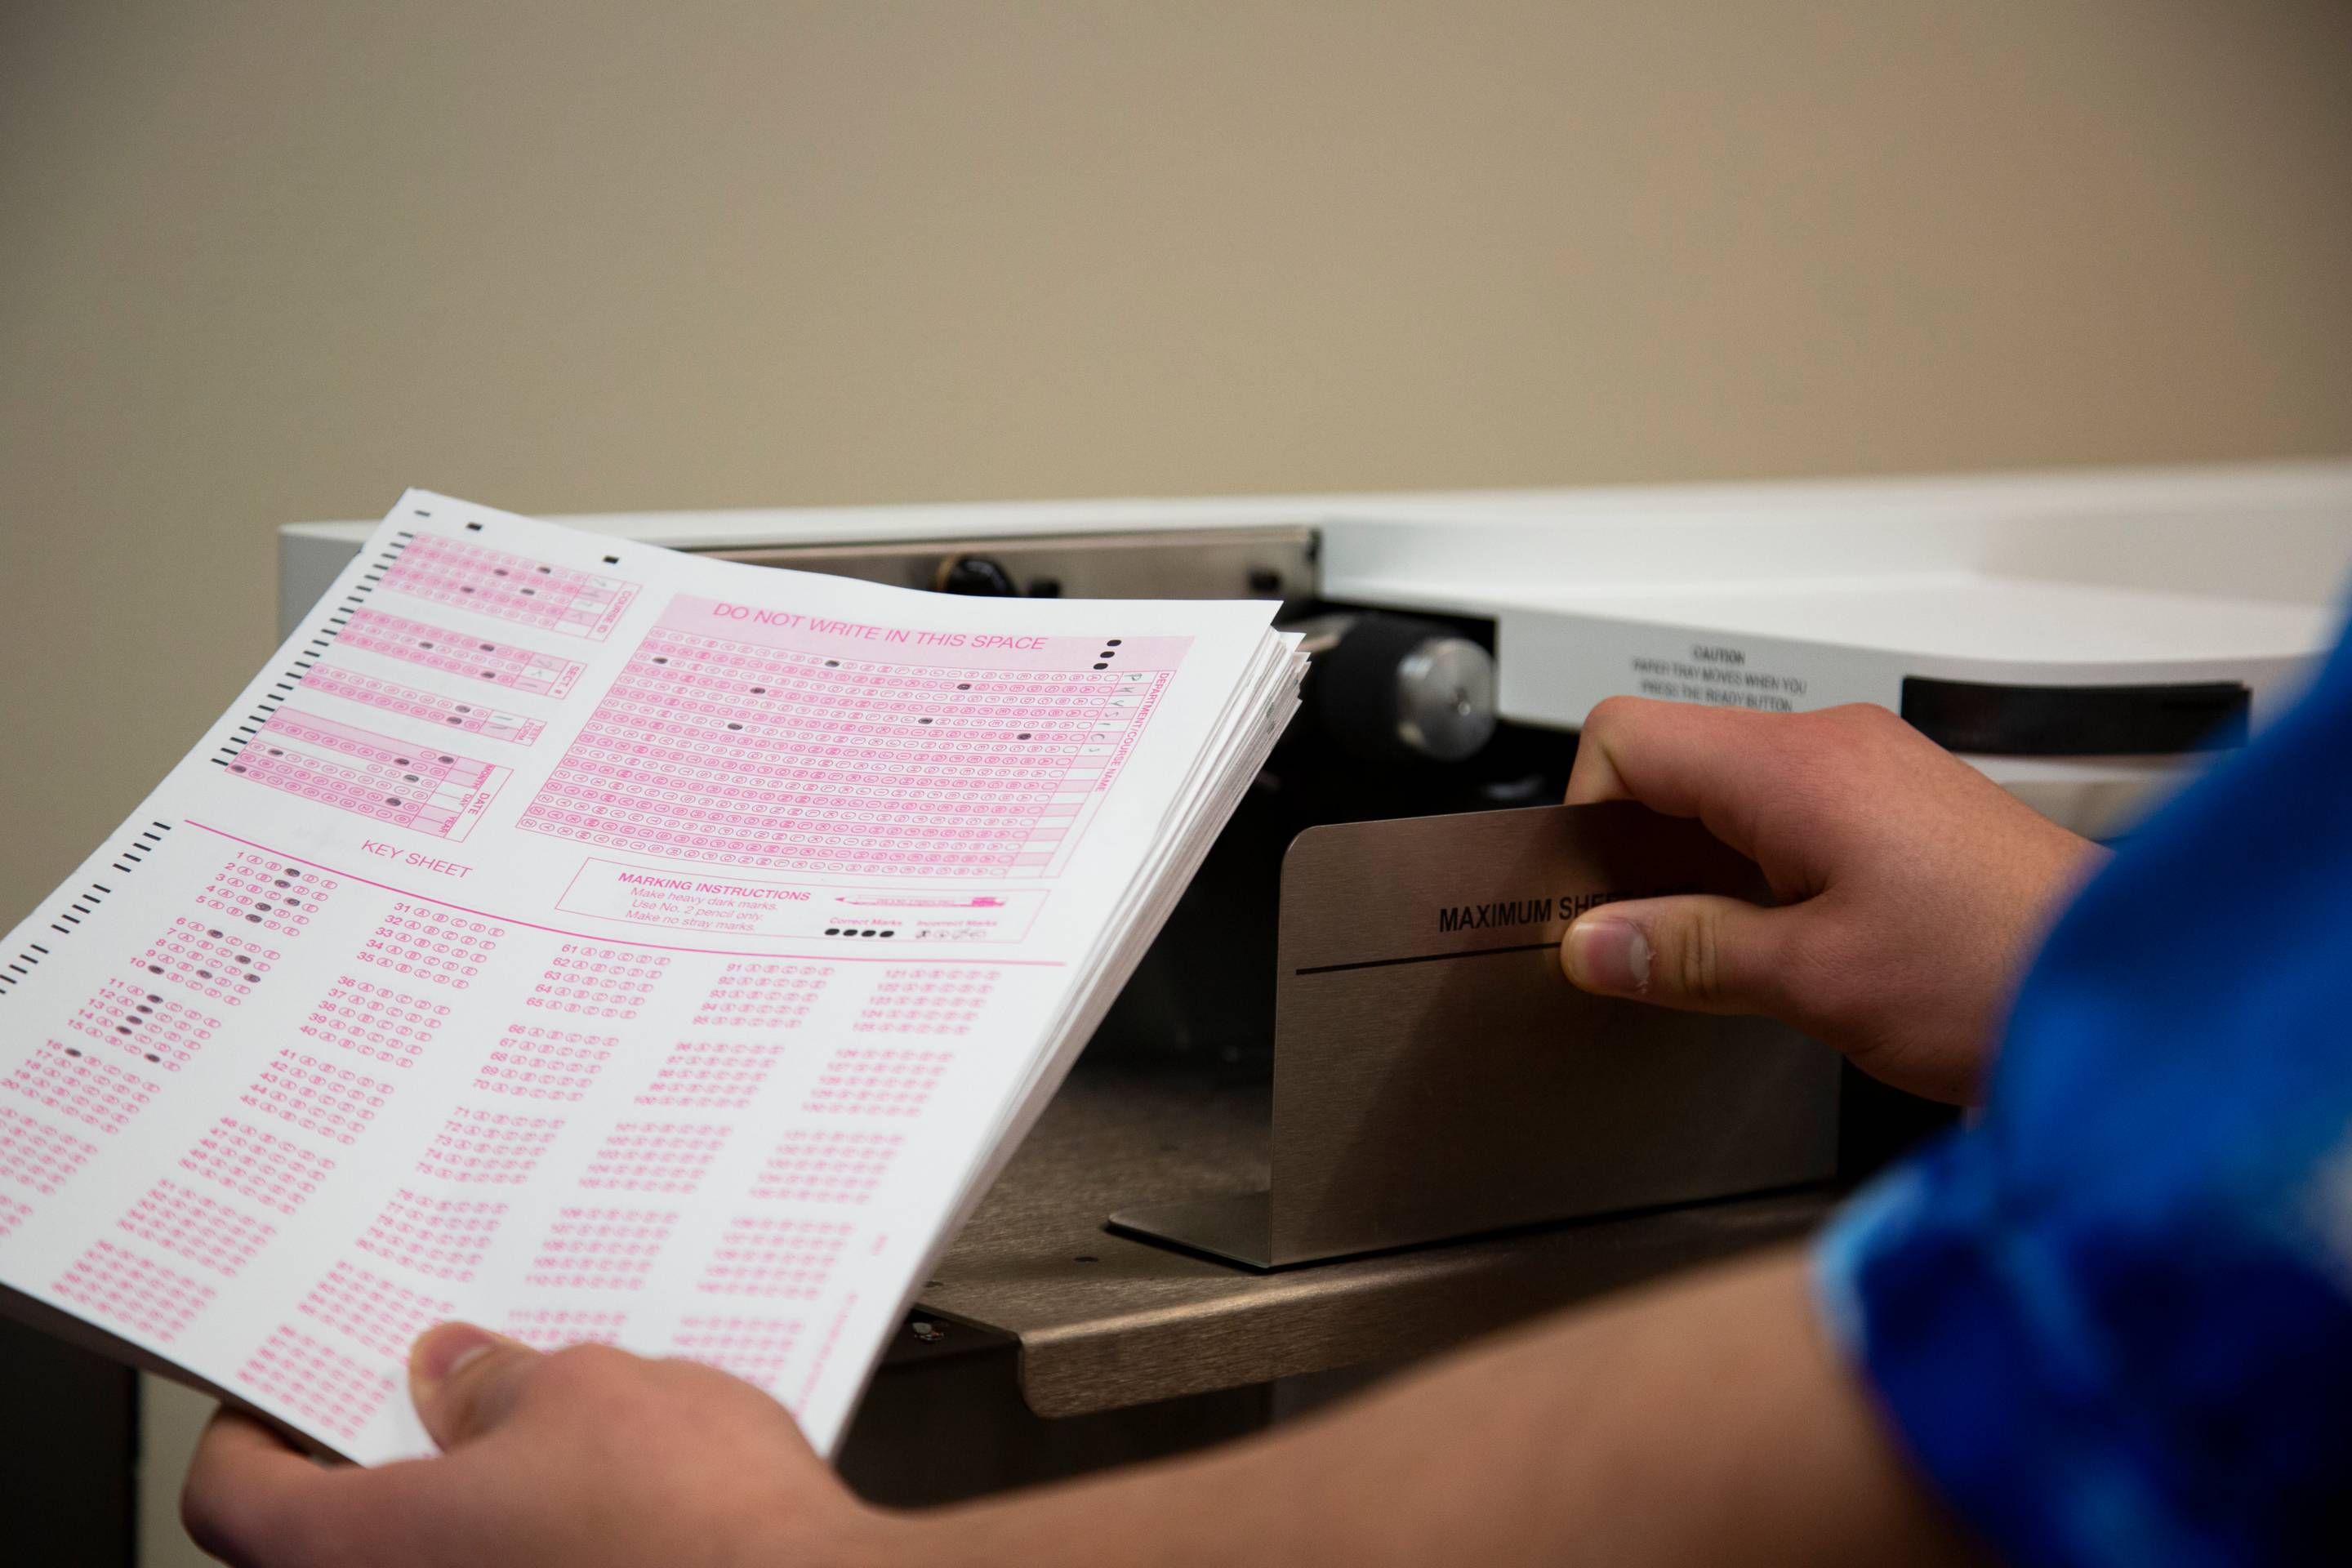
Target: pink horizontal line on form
<point>902,955</point>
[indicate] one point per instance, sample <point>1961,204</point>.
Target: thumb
<point>465,1380</point>
<point>1700,951</point>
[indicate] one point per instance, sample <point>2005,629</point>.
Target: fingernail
<point>1608,955</point>
<point>440,1353</point>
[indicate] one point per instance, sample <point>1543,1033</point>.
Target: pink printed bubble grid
<point>219,965</point>
<point>446,1237</point>
<point>258,1165</point>
<point>535,1063</point>
<point>753,1349</point>
<point>316,1381</point>
<point>37,1154</point>
<point>318,1096</point>
<point>136,1292</point>
<point>383,1316</point>
<point>509,587</point>
<point>754,996</point>
<point>381,777</point>
<point>600,1248</point>
<point>715,1075</point>
<point>198,1227</point>
<point>553,1328</point>
<point>376,1021</point>
<point>587,981</point>
<point>655,1156</point>
<point>494,1148</point>
<point>452,653</point>
<point>448,712</point>
<point>926,1001</point>
<point>68,1080</point>
<point>862,1081</point>
<point>268,893</point>
<point>820,1166</point>
<point>775,1256</point>
<point>432,946</point>
<point>144,1024</point>
<point>742,754</point>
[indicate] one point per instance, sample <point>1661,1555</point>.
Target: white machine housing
<point>1788,595</point>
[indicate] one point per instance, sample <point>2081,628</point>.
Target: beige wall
<point>275,261</point>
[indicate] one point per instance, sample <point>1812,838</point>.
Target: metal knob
<point>1396,687</point>
<point>1446,698</point>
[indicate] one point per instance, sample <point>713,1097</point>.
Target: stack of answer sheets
<point>596,942</point>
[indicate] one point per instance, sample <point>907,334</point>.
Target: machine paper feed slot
<point>1994,719</point>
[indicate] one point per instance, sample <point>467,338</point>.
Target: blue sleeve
<point>2112,1323</point>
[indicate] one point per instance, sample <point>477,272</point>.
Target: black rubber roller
<point>976,574</point>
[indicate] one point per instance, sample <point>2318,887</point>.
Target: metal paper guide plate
<point>1436,1076</point>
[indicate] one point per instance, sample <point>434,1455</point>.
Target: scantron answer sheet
<point>598,943</point>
